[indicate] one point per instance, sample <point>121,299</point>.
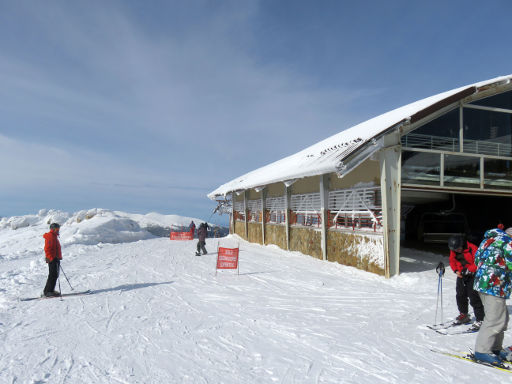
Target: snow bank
<point>44,216</point>
<point>370,248</point>
<point>102,227</point>
<point>19,234</point>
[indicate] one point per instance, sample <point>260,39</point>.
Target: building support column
<point>232,218</point>
<point>461,128</point>
<point>263,196</point>
<point>287,193</point>
<point>245,216</point>
<point>324,198</point>
<point>390,185</point>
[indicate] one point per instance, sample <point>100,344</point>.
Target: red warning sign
<point>182,235</point>
<point>227,258</point>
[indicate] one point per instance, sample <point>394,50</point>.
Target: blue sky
<point>149,105</point>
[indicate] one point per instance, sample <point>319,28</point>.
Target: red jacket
<point>466,260</point>
<point>52,246</point>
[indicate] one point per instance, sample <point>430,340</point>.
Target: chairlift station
<point>412,176</point>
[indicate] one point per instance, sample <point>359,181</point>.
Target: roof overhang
<point>344,151</point>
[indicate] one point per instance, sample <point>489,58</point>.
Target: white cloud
<point>100,98</point>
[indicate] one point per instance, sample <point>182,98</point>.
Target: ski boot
<point>475,327</point>
<point>463,318</point>
<point>488,358</point>
<point>504,354</point>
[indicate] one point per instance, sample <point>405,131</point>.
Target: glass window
<point>461,171</point>
<point>487,132</point>
<point>503,100</point>
<point>441,134</point>
<point>446,125</point>
<point>498,174</point>
<point>421,168</point>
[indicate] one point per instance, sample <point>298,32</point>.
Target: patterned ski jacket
<point>494,264</point>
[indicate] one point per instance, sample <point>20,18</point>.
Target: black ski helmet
<point>456,242</point>
<point>54,225</point>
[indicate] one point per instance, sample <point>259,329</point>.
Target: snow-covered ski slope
<point>158,314</point>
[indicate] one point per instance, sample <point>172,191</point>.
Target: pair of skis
<point>81,293</point>
<point>505,366</point>
<point>445,328</point>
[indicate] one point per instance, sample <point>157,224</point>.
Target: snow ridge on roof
<point>326,155</point>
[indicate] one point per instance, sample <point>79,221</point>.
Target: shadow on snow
<point>129,287</point>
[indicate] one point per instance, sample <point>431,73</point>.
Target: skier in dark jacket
<point>462,262</point>
<point>202,232</point>
<point>53,256</point>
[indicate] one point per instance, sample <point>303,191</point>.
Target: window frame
<point>462,142</point>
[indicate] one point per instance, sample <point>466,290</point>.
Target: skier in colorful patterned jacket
<point>53,257</point>
<point>493,281</point>
<point>462,262</point>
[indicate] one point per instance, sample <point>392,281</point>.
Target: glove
<point>465,272</point>
<point>47,260</point>
<point>440,269</point>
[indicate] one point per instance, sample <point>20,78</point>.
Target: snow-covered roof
<point>327,155</point>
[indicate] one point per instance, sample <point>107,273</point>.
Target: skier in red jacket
<point>53,257</point>
<point>462,262</point>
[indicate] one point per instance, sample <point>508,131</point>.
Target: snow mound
<point>44,216</point>
<point>101,226</point>
<point>19,234</point>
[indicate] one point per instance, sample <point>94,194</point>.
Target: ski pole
<point>66,278</point>
<point>440,271</point>
<point>60,290</point>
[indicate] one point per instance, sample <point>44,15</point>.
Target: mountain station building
<point>409,177</point>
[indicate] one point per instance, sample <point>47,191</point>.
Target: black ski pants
<point>201,246</point>
<point>465,291</point>
<point>53,275</point>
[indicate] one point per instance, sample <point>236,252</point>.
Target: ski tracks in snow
<point>159,314</point>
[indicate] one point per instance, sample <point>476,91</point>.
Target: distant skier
<point>462,262</point>
<point>53,257</point>
<point>493,281</point>
<point>202,232</point>
<point>192,227</point>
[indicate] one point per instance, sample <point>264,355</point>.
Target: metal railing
<point>238,206</point>
<point>487,148</point>
<point>355,208</point>
<point>416,140</point>
<point>309,202</point>
<point>452,144</point>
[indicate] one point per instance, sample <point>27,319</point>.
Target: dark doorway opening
<point>430,218</point>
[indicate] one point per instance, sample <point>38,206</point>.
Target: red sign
<point>182,235</point>
<point>227,258</point>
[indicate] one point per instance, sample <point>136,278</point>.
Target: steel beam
<point>324,195</point>
<point>263,195</point>
<point>390,169</point>
<point>245,216</point>
<point>287,193</point>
